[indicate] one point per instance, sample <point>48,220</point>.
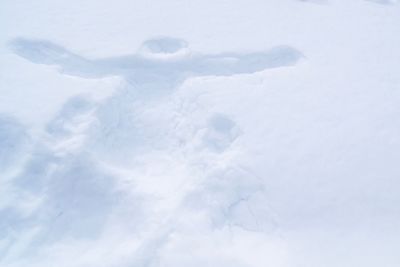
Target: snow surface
<point>246,133</point>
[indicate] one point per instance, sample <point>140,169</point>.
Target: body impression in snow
<point>160,63</point>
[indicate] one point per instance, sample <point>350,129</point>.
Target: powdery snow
<point>199,133</point>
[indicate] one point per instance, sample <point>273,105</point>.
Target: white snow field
<point>199,133</point>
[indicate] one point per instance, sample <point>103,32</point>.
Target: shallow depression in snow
<point>283,152</point>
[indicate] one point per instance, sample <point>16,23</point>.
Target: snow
<point>199,133</point>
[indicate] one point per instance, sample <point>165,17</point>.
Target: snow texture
<point>199,133</point>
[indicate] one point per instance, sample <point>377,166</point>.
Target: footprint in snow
<point>221,132</point>
<point>14,142</point>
